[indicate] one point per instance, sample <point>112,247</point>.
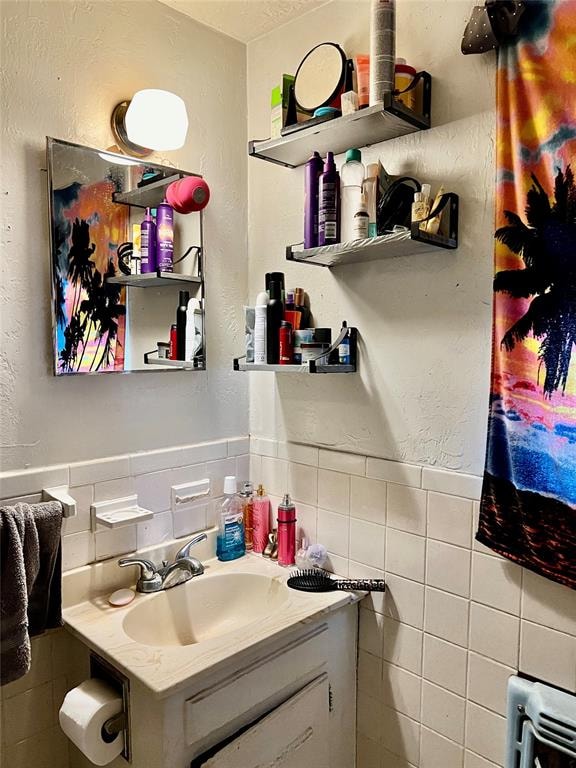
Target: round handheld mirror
<point>320,77</point>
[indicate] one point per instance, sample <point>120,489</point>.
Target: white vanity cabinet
<point>293,735</point>
<point>290,704</point>
<point>232,668</point>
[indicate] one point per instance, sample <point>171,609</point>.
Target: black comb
<point>315,580</point>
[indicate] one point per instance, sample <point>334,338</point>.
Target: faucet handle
<point>147,568</point>
<point>185,550</point>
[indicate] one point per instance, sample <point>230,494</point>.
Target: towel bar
<point>61,494</point>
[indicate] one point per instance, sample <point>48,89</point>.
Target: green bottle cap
<point>354,154</point>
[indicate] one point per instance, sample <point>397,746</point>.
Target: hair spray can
<point>312,172</point>
<point>329,203</point>
<point>382,49</point>
<point>286,532</point>
<point>165,237</point>
<point>148,244</point>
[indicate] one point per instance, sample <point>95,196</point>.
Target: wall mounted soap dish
<point>114,514</point>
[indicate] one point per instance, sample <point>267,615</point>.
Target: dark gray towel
<point>30,581</point>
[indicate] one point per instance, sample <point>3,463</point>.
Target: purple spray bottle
<point>329,203</point>
<point>311,178</point>
<point>165,237</point>
<point>148,243</point>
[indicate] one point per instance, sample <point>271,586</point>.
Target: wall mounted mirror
<point>106,317</point>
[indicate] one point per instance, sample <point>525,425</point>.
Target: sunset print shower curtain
<point>528,507</point>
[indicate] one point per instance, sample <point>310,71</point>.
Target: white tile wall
<point>406,554</point>
<point>456,621</point>
<point>149,474</point>
<point>445,664</point>
<point>435,650</point>
<point>404,600</point>
<point>448,568</point>
<point>447,616</point>
<point>450,519</point>
<point>302,483</point>
<point>436,751</point>
<point>487,681</point>
<point>349,463</point>
<point>406,509</point>
<point>394,472</point>
<point>31,735</point>
<point>402,690</point>
<point>334,491</point>
<point>443,711</point>
<point>368,499</point>
<point>367,541</point>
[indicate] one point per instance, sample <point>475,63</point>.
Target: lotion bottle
<point>361,223</point>
<point>352,175</point>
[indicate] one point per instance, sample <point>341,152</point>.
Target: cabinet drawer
<point>247,688</point>
<point>294,735</point>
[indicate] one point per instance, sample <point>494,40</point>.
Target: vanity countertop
<point>165,669</point>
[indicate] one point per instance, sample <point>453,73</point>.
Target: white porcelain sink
<point>204,608</point>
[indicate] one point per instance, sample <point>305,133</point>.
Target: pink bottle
<point>286,532</point>
<point>261,520</point>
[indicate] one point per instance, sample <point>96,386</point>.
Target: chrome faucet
<point>156,578</point>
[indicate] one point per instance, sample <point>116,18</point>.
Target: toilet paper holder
<point>119,723</point>
<point>113,726</point>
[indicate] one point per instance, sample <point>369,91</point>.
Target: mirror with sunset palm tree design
<point>101,325</point>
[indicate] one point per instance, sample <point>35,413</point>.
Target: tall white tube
<point>382,48</point>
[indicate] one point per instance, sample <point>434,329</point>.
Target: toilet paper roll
<point>83,713</point>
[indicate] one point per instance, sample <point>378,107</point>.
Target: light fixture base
<point>118,125</point>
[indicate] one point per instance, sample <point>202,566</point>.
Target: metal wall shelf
<point>372,125</point>
<point>305,368</point>
<point>186,365</point>
<point>156,279</point>
<point>149,195</point>
<point>407,242</point>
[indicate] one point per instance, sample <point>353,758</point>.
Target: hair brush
<point>315,580</point>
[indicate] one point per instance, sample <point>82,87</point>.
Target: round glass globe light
<point>157,120</point>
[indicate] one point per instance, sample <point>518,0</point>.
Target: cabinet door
<point>294,735</point>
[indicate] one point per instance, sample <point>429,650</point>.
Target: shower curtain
<point>528,506</point>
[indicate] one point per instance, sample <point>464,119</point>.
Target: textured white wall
<point>66,64</point>
<point>425,320</point>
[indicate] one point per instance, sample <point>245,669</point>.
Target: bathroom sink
<point>204,608</point>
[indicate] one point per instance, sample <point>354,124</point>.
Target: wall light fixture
<point>154,120</point>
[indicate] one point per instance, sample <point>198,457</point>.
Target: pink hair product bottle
<point>286,532</point>
<point>260,520</point>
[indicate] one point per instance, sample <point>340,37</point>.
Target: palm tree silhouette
<point>100,309</point>
<point>547,245</point>
<point>80,264</point>
<point>59,238</point>
<point>104,307</point>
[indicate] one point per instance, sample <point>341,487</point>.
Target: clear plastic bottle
<point>351,176</point>
<point>230,542</point>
